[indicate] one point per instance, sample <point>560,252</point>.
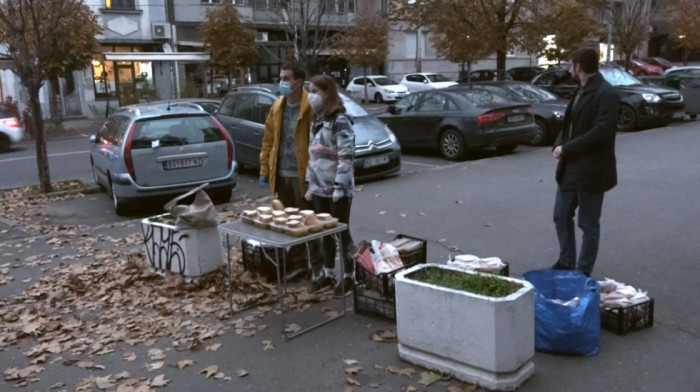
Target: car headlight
<point>558,115</point>
<point>651,97</point>
<point>388,91</point>
<point>392,137</point>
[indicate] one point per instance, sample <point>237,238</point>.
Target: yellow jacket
<point>271,141</point>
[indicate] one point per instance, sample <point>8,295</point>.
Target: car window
<point>531,93</point>
<point>245,108</point>
<point>639,63</point>
<point>109,129</point>
<point>175,131</point>
<point>262,108</point>
<point>564,79</point>
<point>384,81</point>
<point>436,78</point>
<point>406,105</point>
<point>209,107</point>
<point>352,108</point>
<point>501,92</point>
<point>481,98</point>
<point>546,79</point>
<point>120,130</point>
<point>451,105</point>
<point>229,105</point>
<point>618,77</point>
<point>433,102</point>
<point>411,78</point>
<point>359,81</point>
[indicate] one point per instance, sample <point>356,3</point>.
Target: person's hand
<point>337,194</point>
<point>309,196</point>
<point>557,153</point>
<point>264,181</point>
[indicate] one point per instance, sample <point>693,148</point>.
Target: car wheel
<point>94,177</point>
<point>626,119</point>
<point>506,148</point>
<point>693,116</point>
<point>5,143</point>
<point>378,98</point>
<point>120,207</point>
<point>241,166</point>
<point>452,145</point>
<point>542,136</point>
<point>222,196</point>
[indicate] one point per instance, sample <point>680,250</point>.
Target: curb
<point>56,139</point>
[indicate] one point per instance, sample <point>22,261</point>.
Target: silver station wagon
<point>147,151</point>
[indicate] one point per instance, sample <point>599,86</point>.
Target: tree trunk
<point>364,75</point>
<point>501,64</point>
<point>627,61</point>
<point>242,73</point>
<point>42,159</point>
<point>469,72</point>
<point>56,116</point>
<point>685,57</point>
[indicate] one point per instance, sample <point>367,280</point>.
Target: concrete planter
<point>191,253</point>
<point>478,339</point>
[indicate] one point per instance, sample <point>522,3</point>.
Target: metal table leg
<point>230,281</point>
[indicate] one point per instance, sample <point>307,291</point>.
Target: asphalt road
<point>500,206</point>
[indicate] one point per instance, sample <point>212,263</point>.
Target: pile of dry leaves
<point>23,206</point>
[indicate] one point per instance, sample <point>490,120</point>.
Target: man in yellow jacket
<point>285,149</point>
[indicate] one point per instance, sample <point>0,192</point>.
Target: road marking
<point>50,155</point>
<point>414,163</point>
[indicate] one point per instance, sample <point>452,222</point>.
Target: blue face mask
<point>285,89</point>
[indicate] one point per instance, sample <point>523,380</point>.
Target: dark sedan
<point>525,74</point>
<point>244,110</point>
<point>484,75</point>
<point>549,109</point>
<point>640,104</point>
<point>456,120</point>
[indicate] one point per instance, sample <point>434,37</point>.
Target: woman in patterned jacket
<point>330,175</point>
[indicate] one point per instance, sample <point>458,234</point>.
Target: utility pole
<point>610,29</point>
<point>419,67</point>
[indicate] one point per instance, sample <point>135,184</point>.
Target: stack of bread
<point>288,220</point>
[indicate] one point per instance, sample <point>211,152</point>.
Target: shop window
<point>105,82</point>
<point>120,4</point>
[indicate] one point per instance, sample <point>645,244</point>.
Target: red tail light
<point>531,111</point>
<point>229,142</point>
<point>490,118</point>
<point>12,123</point>
<point>127,152</point>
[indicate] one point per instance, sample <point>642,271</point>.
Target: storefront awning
<point>155,56</point>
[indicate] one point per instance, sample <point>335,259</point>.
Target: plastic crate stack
<point>254,260</point>
<point>374,295</point>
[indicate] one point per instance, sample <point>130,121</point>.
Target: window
<point>229,105</point>
<point>406,104</point>
<point>410,44</point>
<point>245,108</point>
<point>209,107</point>
<point>120,4</point>
<point>108,131</point>
<point>359,81</point>
<point>546,79</point>
<point>481,98</point>
<point>178,131</point>
<point>436,78</point>
<point>415,78</point>
<point>433,102</point>
<point>384,81</point>
<point>262,108</point>
<point>530,93</point>
<point>210,1</point>
<point>119,130</point>
<point>618,77</point>
<point>340,6</point>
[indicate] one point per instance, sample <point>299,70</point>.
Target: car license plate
<point>677,115</point>
<point>378,161</point>
<point>183,163</point>
<point>518,118</point>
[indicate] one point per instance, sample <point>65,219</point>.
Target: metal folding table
<point>269,238</point>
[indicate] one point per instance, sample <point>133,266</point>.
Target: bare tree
<point>307,25</point>
<point>367,43</point>
<point>45,39</point>
<point>632,21</point>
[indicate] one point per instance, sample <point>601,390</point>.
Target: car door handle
<point>257,132</point>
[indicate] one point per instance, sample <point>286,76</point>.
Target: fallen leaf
<point>352,381</point>
<point>378,367</point>
<point>129,357</point>
<point>353,370</point>
<point>351,362</point>
<point>159,381</point>
<point>466,388</point>
<point>442,241</point>
<point>213,347</point>
<point>409,389</point>
<point>210,370</point>
<point>241,373</point>
<point>429,378</point>
<point>154,366</point>
<point>219,375</point>
<point>268,345</point>
<point>185,363</point>
<point>454,249</point>
<point>58,385</point>
<point>38,360</point>
<point>121,376</point>
<point>377,338</point>
<point>388,334</point>
<point>407,372</point>
<point>104,383</point>
<point>390,232</point>
<point>156,354</point>
<point>374,385</point>
<point>292,328</point>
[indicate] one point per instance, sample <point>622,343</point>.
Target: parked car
<point>673,75</point>
<point>244,111</point>
<point>484,75</point>
<point>379,88</point>
<point>10,130</point>
<point>205,104</point>
<point>525,74</point>
<point>146,151</point>
<point>641,68</point>
<point>659,62</point>
<point>641,104</point>
<point>458,119</point>
<point>425,81</point>
<point>549,109</point>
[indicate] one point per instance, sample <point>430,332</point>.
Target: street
<point>491,205</point>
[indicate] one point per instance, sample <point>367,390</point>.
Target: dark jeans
<point>289,194</point>
<point>589,206</point>
<point>340,210</point>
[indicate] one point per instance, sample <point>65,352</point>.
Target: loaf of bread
<point>277,205</point>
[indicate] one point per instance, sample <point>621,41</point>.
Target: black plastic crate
<point>384,283</point>
<point>625,320</point>
<point>373,306</point>
<point>254,260</point>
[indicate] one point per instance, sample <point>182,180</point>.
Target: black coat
<point>588,158</point>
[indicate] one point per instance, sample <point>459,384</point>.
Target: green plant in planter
<point>482,284</point>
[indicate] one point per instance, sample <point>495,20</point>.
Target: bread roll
<point>309,217</point>
<point>266,218</point>
<point>277,205</point>
<point>293,223</point>
<point>323,217</point>
<point>250,213</point>
<point>280,221</point>
<point>279,214</point>
<point>291,211</point>
<point>264,211</point>
<point>295,217</point>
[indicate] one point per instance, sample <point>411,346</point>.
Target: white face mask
<point>316,102</point>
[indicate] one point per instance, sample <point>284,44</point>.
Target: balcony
<point>120,6</point>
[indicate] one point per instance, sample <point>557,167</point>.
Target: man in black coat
<point>587,167</point>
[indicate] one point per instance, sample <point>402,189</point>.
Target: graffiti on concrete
<point>165,248</point>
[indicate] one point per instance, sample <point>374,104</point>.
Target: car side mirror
<point>425,82</point>
<point>93,139</point>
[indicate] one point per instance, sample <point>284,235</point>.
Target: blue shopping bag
<point>573,329</point>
